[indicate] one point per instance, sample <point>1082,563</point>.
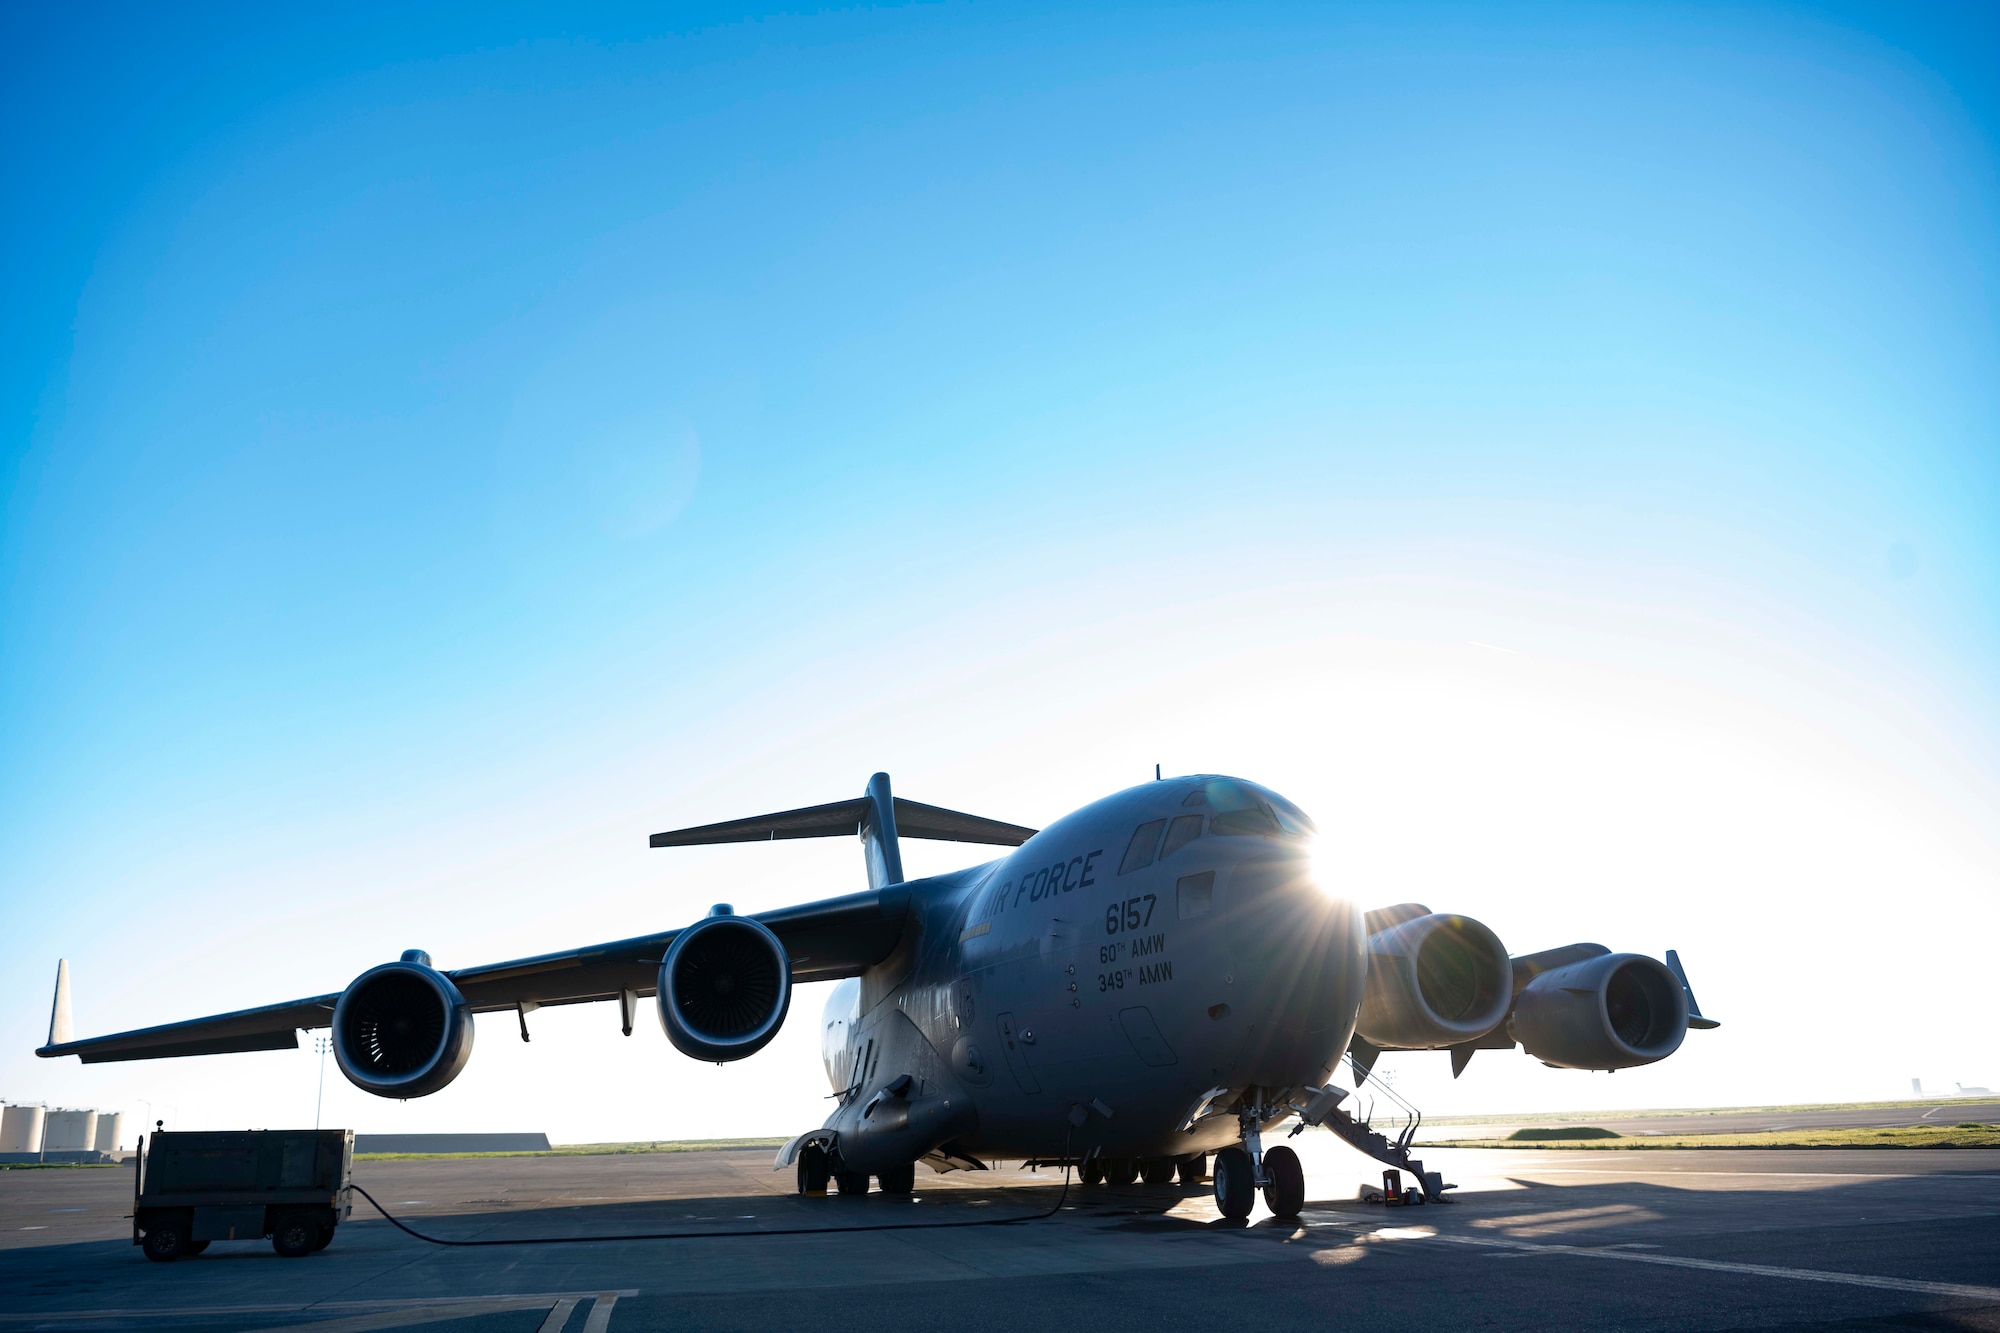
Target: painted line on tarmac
<point>425,1313</point>
<point>1829,1175</point>
<point>598,1321</point>
<point>1958,1289</point>
<point>315,1307</point>
<point>600,1313</point>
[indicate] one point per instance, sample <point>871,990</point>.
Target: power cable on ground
<point>404,1227</point>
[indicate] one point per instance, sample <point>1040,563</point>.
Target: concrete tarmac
<point>1848,1239</point>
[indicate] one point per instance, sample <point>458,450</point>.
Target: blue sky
<point>444,446</point>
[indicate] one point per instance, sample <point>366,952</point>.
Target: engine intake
<point>402,1029</point>
<point>1433,981</point>
<point>725,986</point>
<point>1616,1011</point>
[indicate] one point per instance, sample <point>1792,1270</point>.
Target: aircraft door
<point>1017,1055</point>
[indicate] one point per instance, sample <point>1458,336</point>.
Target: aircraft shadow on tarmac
<point>1940,1227</point>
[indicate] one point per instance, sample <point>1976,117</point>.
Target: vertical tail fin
<point>61,1029</point>
<point>879,844</point>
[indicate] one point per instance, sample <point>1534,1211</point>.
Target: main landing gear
<point>817,1170</point>
<point>814,1171</point>
<point>1099,1170</point>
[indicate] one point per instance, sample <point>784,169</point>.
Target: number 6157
<point>1132,914</point>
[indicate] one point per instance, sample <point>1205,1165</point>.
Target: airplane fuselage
<point>1146,950</point>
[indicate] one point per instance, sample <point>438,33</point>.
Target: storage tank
<point>67,1130</point>
<point>110,1131</point>
<point>21,1129</point>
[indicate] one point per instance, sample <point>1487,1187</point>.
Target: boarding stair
<point>1360,1133</point>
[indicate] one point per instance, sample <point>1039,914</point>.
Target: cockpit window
<point>1226,795</point>
<point>1195,797</point>
<point>1184,830</point>
<point>1243,810</point>
<point>1292,819</point>
<point>1139,852</point>
<point>1255,821</point>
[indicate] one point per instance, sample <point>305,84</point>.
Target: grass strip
<point>1966,1135</point>
<point>1557,1117</point>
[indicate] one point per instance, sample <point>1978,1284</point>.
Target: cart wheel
<point>166,1239</point>
<point>194,1247</point>
<point>325,1237</point>
<point>295,1237</point>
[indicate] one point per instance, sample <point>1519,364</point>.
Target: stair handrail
<point>1412,1117</point>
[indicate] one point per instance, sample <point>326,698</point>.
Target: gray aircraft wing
<point>835,937</point>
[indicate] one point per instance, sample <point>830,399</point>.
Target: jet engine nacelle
<point>1434,981</point>
<point>725,986</point>
<point>402,1029</point>
<point>1615,1011</point>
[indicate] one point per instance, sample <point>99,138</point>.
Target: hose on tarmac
<point>404,1227</point>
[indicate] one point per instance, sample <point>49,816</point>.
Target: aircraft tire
<point>814,1171</point>
<point>1121,1170</point>
<point>852,1184</point>
<point>1194,1169</point>
<point>1235,1183</point>
<point>1091,1172</point>
<point>1285,1194</point>
<point>1157,1171</point>
<point>898,1180</point>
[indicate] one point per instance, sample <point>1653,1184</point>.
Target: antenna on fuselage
<point>1156,772</point>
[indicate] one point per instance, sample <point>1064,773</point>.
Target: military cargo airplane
<point>1155,978</point>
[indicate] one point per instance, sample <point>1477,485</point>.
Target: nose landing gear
<point>1235,1183</point>
<point>1241,1172</point>
<point>1284,1182</point>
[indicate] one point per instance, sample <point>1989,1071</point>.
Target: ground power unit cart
<point>288,1184</point>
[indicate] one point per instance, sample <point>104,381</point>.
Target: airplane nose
<point>1303,942</point>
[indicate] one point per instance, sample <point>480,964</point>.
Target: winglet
<point>62,1030</point>
<point>1695,1020</point>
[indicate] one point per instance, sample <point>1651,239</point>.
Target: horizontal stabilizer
<point>842,819</point>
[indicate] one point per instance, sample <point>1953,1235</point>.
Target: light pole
<point>322,1045</point>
